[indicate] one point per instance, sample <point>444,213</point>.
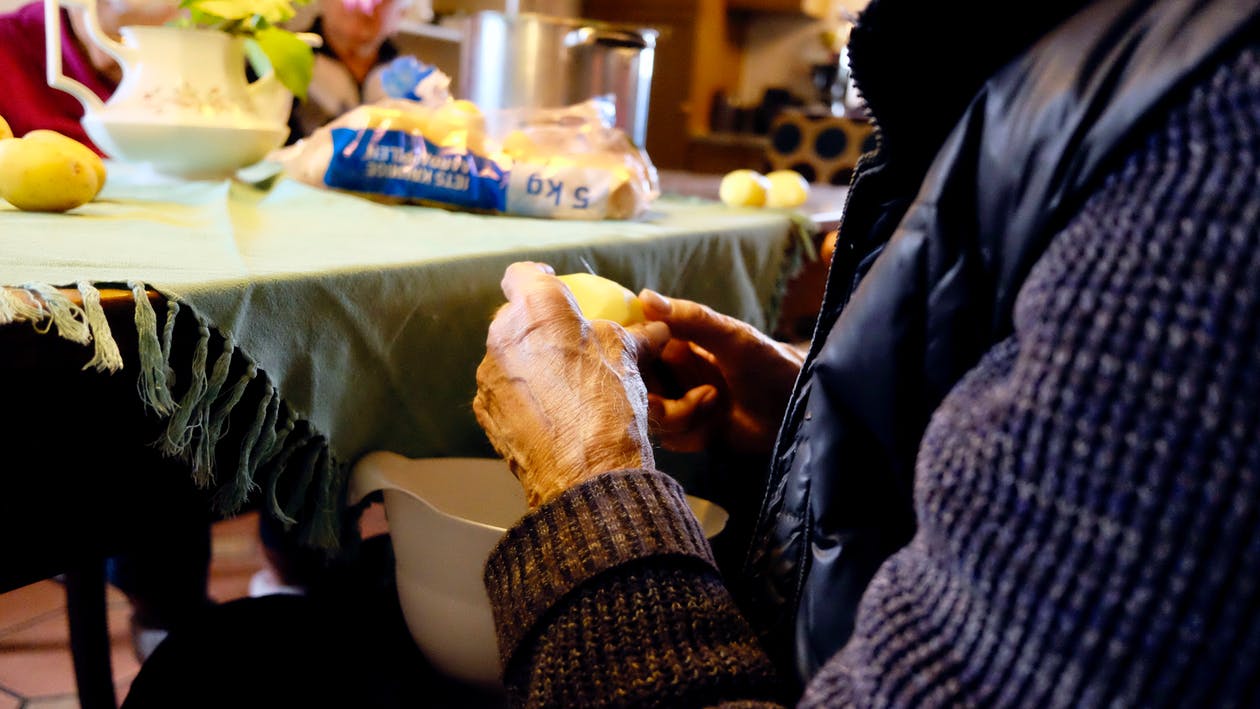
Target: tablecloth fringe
<point>800,249</point>
<point>154,390</point>
<point>106,357</point>
<point>15,308</point>
<point>198,420</point>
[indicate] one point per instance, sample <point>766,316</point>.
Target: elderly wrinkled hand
<point>560,397</point>
<point>728,383</point>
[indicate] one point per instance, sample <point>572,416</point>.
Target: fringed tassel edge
<point>800,249</point>
<point>46,308</point>
<point>197,422</point>
<point>106,357</point>
<point>152,383</point>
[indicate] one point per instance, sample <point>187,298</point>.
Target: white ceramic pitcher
<point>184,105</point>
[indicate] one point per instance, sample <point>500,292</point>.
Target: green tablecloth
<point>367,319</point>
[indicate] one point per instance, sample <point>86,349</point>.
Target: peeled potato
<point>788,188</point>
<point>5,130</point>
<point>743,188</point>
<point>601,299</point>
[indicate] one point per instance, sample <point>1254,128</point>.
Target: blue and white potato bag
<point>422,147</point>
<point>393,161</point>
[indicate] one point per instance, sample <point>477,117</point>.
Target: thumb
<point>647,340</point>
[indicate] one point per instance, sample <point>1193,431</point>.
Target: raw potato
<point>77,148</point>
<point>743,188</point>
<point>413,122</point>
<point>5,130</point>
<point>518,146</point>
<point>788,188</point>
<point>45,175</point>
<point>458,124</point>
<point>601,299</point>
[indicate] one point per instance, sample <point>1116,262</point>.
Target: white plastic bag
<point>564,163</point>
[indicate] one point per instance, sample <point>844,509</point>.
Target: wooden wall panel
<point>696,55</point>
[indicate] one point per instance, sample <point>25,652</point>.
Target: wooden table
<point>53,407</point>
<point>366,321</point>
<point>83,480</point>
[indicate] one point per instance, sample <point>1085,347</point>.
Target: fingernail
<point>708,397</point>
<point>655,301</point>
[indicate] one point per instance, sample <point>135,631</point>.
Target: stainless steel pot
<point>537,61</point>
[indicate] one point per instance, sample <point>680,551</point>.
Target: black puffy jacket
<point>988,144</point>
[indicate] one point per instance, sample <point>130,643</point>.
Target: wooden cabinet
<point>698,55</point>
<point>682,83</point>
<point>783,6</point>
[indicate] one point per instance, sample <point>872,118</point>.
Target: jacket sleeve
<point>609,594</point>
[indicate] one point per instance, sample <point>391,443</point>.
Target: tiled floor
<point>35,665</point>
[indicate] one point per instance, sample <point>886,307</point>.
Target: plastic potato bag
<point>571,163</point>
<point>426,148</point>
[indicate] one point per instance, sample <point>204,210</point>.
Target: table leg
<point>89,635</point>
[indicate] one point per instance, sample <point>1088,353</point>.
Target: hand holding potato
<point>731,382</point>
<point>559,396</point>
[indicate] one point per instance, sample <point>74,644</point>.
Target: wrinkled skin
<point>720,381</point>
<point>561,397</point>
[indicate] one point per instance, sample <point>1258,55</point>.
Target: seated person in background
<point>27,102</point>
<point>347,67</point>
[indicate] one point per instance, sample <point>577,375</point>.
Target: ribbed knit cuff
<point>610,520</point>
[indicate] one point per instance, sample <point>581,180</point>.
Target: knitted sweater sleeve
<point>608,594</point>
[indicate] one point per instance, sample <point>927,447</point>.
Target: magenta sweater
<point>27,101</point>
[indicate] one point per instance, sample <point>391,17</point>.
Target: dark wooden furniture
<point>81,481</point>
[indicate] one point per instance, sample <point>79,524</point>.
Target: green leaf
<point>290,57</point>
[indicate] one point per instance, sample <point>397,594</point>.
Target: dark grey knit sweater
<point>1088,497</point>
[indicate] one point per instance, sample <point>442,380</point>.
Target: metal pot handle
<point>590,35</point>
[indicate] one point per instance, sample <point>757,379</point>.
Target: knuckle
<point>612,335</point>
<point>546,297</point>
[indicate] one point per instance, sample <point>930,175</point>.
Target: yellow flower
<point>273,11</point>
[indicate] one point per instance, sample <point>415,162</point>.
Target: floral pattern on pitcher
<point>183,97</point>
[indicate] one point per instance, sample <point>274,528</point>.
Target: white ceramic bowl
<point>445,516</point>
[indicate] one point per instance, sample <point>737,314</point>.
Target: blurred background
<point>724,72</point>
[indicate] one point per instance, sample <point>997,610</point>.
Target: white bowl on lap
<point>445,516</point>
